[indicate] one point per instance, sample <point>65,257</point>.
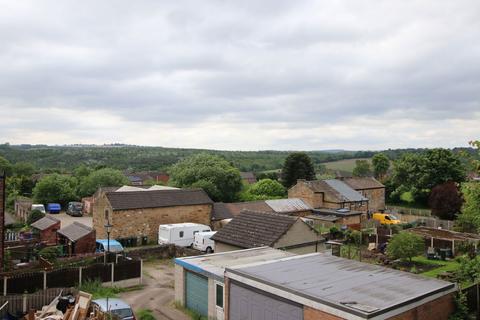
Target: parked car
<point>101,245</point>
<point>39,207</point>
<point>203,242</point>
<point>116,307</point>
<point>180,234</point>
<point>54,208</point>
<point>75,209</point>
<point>385,218</point>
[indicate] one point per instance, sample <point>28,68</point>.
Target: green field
<point>346,165</point>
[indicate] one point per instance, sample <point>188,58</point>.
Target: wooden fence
<point>69,277</point>
<point>473,298</point>
<point>406,210</point>
<point>21,303</point>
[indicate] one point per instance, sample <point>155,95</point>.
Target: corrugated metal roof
<point>353,286</point>
<point>345,190</point>
<point>288,205</point>
<point>75,231</point>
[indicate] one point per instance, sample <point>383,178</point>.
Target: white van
<point>203,242</point>
<point>39,207</point>
<point>180,234</point>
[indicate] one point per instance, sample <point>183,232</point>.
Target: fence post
<point>24,303</point>
<point>44,280</point>
<point>5,279</point>
<point>113,272</point>
<point>80,276</point>
<point>141,271</point>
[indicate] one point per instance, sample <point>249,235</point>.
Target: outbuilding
<point>199,280</point>
<point>77,238</point>
<point>321,286</point>
<point>47,228</point>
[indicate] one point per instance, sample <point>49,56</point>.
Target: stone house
<point>370,188</point>
<point>47,228</point>
<point>253,229</point>
<point>138,214</point>
<point>77,238</point>
<point>331,194</point>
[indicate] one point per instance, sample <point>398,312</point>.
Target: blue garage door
<point>197,293</point>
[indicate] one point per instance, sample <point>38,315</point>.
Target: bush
<point>98,291</point>
<point>405,245</point>
<point>461,309</point>
<point>35,215</point>
<point>51,253</point>
<point>145,314</point>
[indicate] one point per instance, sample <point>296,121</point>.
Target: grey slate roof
<point>156,198</point>
<point>75,231</point>
<point>346,192</point>
<point>288,205</point>
<point>45,223</point>
<point>365,290</point>
<point>254,229</point>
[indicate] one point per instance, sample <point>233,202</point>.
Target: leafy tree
<point>24,169</point>
<point>267,175</point>
<point>105,177</point>
<point>445,200</point>
<point>418,173</point>
<point>5,165</point>
<point>35,215</point>
<point>219,178</point>
<point>405,245</point>
<point>298,165</point>
<point>469,269</point>
<point>381,164</point>
<point>263,190</point>
<point>362,168</point>
<point>469,219</point>
<point>55,188</point>
<point>81,172</point>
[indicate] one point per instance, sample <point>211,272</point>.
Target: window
<point>180,234</point>
<point>219,294</point>
<point>107,216</point>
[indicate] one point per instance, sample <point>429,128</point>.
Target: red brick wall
<point>314,314</point>
<point>49,235</point>
<point>439,309</point>
<point>85,244</point>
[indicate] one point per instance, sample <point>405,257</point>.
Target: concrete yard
<point>67,220</point>
<point>158,292</point>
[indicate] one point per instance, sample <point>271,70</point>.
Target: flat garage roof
<point>213,265</point>
<point>361,289</point>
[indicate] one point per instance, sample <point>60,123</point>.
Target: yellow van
<point>385,218</point>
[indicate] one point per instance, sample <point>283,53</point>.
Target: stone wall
<point>376,198</point>
<point>145,222</point>
<point>302,191</point>
<point>299,233</point>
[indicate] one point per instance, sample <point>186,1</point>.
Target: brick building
<point>371,189</point>
<point>138,214</point>
<point>77,238</point>
<point>321,286</point>
<point>331,194</point>
<point>253,229</point>
<point>47,228</point>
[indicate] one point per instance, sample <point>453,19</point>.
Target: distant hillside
<point>127,157</point>
<point>346,165</point>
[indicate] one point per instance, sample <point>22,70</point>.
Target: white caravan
<point>203,241</point>
<point>180,234</point>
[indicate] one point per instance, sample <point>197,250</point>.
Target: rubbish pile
<point>67,307</point>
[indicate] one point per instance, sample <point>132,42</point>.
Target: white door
<point>219,300</point>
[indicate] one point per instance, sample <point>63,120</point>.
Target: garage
<point>196,293</point>
<point>252,304</point>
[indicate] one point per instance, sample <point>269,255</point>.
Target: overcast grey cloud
<point>249,75</point>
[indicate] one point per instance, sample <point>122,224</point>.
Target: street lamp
<point>108,227</point>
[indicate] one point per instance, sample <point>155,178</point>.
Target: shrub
<point>35,215</point>
<point>145,314</point>
<point>405,245</point>
<point>50,253</point>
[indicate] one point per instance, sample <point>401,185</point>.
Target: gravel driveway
<point>66,220</point>
<point>158,294</point>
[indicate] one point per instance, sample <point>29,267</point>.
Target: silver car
<point>119,309</point>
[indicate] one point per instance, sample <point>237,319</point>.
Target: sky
<point>241,75</point>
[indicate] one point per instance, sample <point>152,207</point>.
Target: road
<point>158,294</point>
<point>67,220</point>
